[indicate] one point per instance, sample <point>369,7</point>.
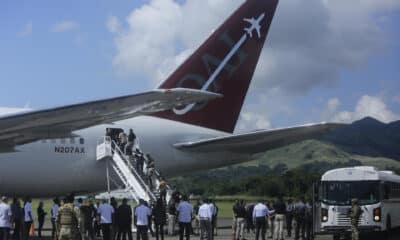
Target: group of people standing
<point>19,218</point>
<point>180,212</point>
<point>272,216</point>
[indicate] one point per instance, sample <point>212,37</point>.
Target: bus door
<point>316,208</point>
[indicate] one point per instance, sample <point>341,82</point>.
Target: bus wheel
<point>388,228</point>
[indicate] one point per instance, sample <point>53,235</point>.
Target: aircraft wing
<point>258,141</point>
<point>62,121</point>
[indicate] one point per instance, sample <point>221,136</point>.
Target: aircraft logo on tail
<point>255,26</point>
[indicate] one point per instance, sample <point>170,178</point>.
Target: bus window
<point>341,192</point>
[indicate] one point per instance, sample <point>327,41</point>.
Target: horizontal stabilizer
<point>259,141</point>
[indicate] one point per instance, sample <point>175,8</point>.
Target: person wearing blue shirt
<point>142,214</point>
<point>185,213</point>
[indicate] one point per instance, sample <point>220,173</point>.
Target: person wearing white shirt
<point>5,219</point>
<point>142,214</point>
<point>105,212</point>
<point>185,214</point>
<point>53,213</point>
<point>205,217</point>
<point>260,212</point>
<point>28,217</point>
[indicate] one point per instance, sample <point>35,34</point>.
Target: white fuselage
<point>57,166</point>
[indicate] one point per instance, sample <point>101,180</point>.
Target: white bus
<point>378,194</point>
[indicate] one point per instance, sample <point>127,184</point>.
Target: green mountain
<point>364,142</point>
<point>310,152</point>
<point>292,169</point>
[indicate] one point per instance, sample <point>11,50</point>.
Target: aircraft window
<point>81,141</point>
<point>44,141</point>
<point>72,140</point>
<point>63,141</point>
<point>53,140</point>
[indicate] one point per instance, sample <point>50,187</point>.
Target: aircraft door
<point>113,133</point>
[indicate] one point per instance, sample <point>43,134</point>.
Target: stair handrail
<point>133,170</point>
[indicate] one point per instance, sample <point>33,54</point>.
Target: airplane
<point>255,25</point>
<point>186,124</point>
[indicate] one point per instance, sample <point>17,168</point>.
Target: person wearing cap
<point>355,213</point>
<point>5,218</point>
<point>142,214</point>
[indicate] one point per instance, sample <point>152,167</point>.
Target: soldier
<point>355,213</point>
<point>67,220</point>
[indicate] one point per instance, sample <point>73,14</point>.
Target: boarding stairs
<point>136,184</point>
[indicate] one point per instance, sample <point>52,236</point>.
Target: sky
<point>324,60</point>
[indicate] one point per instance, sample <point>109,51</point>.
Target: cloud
<point>313,39</point>
<point>331,108</point>
<point>310,43</point>
<point>8,111</point>
<point>113,25</point>
<point>64,26</point>
<point>28,28</point>
<point>367,106</point>
<point>253,121</point>
<point>161,34</point>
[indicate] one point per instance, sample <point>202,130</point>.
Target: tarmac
<point>225,233</point>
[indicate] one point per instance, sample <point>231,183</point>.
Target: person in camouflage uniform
<point>355,213</point>
<point>68,220</point>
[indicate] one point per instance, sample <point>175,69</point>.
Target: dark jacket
<point>41,214</point>
<point>159,214</point>
<point>124,216</point>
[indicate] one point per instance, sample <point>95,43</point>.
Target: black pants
<point>160,231</point>
<point>123,231</point>
<point>142,233</point>
<point>249,224</point>
<point>184,227</point>
<point>308,229</point>
<point>41,223</point>
<point>53,228</point>
<point>260,225</point>
<point>87,232</point>
<point>106,229</point>
<point>17,229</point>
<point>289,221</point>
<point>4,233</point>
<point>27,227</point>
<point>300,226</point>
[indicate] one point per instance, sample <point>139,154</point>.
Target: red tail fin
<point>224,63</point>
